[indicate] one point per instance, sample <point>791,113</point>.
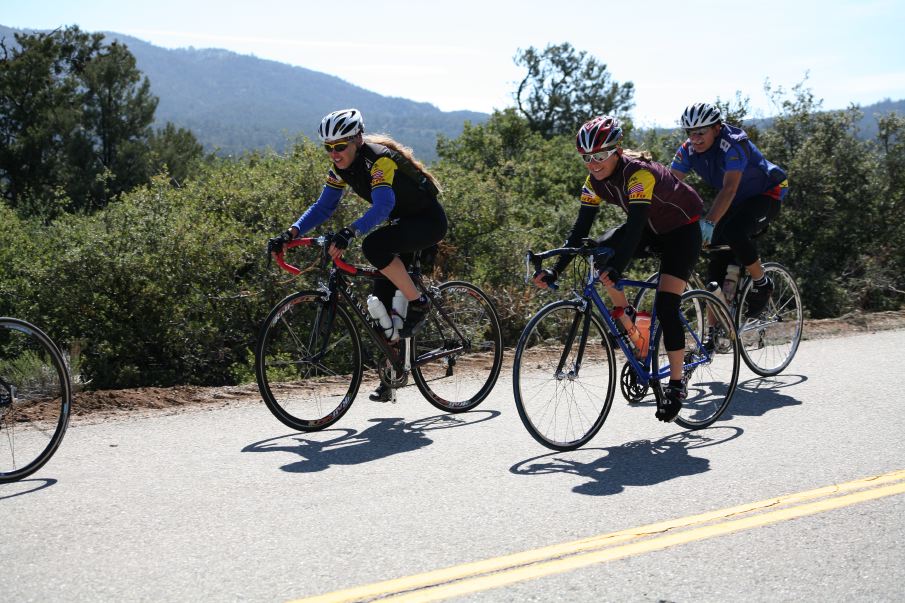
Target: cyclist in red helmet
<point>662,215</point>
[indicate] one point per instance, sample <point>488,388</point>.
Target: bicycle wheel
<point>770,339</point>
<point>711,359</point>
<point>457,355</point>
<point>564,375</point>
<point>35,399</point>
<point>308,361</point>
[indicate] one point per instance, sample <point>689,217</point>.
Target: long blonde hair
<point>642,155</point>
<point>406,152</point>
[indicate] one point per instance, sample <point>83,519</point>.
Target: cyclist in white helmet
<point>750,191</point>
<point>405,215</point>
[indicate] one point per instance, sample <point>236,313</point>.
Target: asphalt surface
<point>227,504</point>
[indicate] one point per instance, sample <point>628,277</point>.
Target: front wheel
<point>35,399</point>
<point>308,361</point>
<point>711,359</point>
<point>457,355</point>
<point>770,339</point>
<point>564,375</point>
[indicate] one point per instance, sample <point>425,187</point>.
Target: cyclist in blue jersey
<point>750,192</point>
<point>405,215</point>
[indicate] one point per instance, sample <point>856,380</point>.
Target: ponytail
<point>406,152</point>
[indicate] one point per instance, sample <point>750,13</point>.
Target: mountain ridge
<point>235,103</point>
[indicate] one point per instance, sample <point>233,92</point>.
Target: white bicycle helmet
<point>700,115</point>
<point>600,133</point>
<point>341,124</point>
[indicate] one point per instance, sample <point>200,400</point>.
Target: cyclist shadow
<point>24,486</point>
<point>638,463</point>
<point>752,398</point>
<point>387,437</point>
<point>757,396</point>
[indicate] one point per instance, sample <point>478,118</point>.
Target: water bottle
<point>714,288</point>
<point>641,333</point>
<point>400,309</point>
<point>379,313</point>
<point>729,284</point>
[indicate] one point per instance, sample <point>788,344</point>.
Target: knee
<point>668,313</point>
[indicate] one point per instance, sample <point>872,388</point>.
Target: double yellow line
<point>509,569</point>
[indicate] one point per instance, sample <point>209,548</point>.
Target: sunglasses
<point>698,131</point>
<point>601,156</point>
<point>336,147</point>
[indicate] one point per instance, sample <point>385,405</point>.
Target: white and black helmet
<point>341,124</point>
<point>700,115</point>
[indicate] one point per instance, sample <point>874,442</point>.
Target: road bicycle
<point>308,358</point>
<point>564,372</point>
<point>35,398</point>
<point>769,340</point>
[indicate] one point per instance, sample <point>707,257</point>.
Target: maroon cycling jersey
<point>637,181</point>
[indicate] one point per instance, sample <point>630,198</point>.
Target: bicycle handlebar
<point>588,249</point>
<point>321,241</point>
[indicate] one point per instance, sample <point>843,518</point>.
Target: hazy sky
<point>459,55</point>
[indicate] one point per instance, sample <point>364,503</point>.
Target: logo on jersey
<point>589,197</point>
<point>377,178</point>
<point>334,180</point>
<point>724,145</point>
<point>640,185</point>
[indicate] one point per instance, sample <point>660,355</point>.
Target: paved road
<point>227,504</point>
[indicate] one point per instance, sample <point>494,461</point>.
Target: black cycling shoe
<point>381,394</point>
<point>758,298</point>
<point>415,318</point>
<point>670,405</point>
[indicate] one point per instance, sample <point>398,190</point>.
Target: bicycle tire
<point>770,340</point>
<point>562,407</point>
<point>458,382</point>
<point>35,399</point>
<point>711,376</point>
<point>308,361</point>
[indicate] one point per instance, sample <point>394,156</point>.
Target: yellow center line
<point>501,571</point>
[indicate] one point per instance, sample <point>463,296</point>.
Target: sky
<point>459,55</point>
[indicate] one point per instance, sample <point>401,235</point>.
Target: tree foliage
<point>75,124</point>
<point>564,87</point>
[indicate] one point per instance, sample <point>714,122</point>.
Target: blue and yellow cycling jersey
<point>732,151</point>
<point>379,175</point>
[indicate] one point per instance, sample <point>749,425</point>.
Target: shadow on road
<point>752,398</point>
<point>24,486</point>
<point>638,463</point>
<point>388,436</point>
<point>759,395</point>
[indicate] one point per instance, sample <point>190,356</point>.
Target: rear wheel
<point>770,340</point>
<point>458,353</point>
<point>711,361</point>
<point>308,361</point>
<point>564,375</point>
<point>35,399</point>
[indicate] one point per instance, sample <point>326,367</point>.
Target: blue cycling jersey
<point>732,151</point>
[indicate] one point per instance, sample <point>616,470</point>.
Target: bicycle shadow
<point>32,488</point>
<point>754,397</point>
<point>757,396</point>
<point>389,436</point>
<point>638,463</point>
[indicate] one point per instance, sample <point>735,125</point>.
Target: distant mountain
<point>234,103</point>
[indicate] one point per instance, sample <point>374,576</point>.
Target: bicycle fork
<point>581,321</point>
